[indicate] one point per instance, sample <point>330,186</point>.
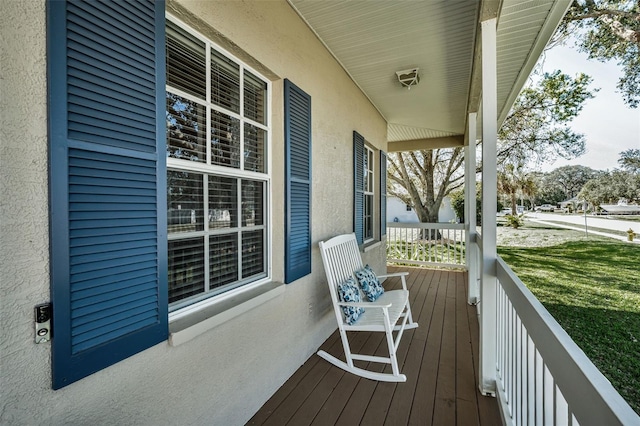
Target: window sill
<point>192,325</point>
<point>371,245</point>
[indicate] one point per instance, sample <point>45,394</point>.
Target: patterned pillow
<point>348,292</point>
<point>369,283</point>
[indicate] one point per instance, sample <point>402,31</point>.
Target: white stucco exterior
<point>225,374</point>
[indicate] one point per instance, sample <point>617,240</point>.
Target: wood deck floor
<point>439,358</point>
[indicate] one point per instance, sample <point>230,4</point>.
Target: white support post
<point>470,211</point>
<point>488,286</point>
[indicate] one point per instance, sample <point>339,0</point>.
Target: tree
<point>457,203</point>
<point>533,130</point>
<point>610,187</point>
<point>571,179</point>
<point>423,178</point>
<point>536,127</point>
<point>630,160</point>
<point>608,29</point>
<point>514,182</point>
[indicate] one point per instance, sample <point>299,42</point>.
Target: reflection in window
<point>186,121</point>
<point>252,203</point>
<point>185,202</point>
<point>223,202</point>
<point>252,253</point>
<point>255,98</point>
<point>223,264</point>
<point>225,140</point>
<point>186,268</point>
<point>368,193</point>
<point>186,68</point>
<point>217,177</point>
<point>225,82</point>
<point>254,145</point>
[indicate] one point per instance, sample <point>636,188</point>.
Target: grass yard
<point>591,287</point>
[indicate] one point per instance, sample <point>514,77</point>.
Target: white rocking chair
<point>389,313</point>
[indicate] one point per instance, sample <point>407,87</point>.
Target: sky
<point>609,126</point>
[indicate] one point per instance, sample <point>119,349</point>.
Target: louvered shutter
<point>107,183</point>
<point>383,193</point>
<point>358,186</point>
<point>297,127</point>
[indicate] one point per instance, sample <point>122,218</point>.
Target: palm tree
<point>513,181</point>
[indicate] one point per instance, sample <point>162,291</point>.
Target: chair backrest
<point>341,259</point>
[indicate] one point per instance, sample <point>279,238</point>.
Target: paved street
<point>578,222</point>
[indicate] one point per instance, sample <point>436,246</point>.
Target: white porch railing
<point>432,244</point>
<point>543,377</point>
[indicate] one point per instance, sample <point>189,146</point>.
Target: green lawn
<point>592,288</point>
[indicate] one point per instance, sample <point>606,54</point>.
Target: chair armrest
<point>366,304</point>
<point>397,274</point>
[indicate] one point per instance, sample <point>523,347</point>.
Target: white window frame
<point>180,308</point>
<point>369,195</point>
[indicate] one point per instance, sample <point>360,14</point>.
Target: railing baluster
<point>500,324</point>
<point>539,390</point>
<point>549,396</point>
<point>543,378</point>
<point>512,358</point>
<point>531,381</point>
<point>562,408</point>
<point>518,378</point>
<point>418,243</point>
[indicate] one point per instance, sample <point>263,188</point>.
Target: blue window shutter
<point>358,186</point>
<point>107,175</point>
<point>297,128</point>
<point>383,193</point>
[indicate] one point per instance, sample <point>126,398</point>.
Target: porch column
<point>489,201</point>
<point>470,210</point>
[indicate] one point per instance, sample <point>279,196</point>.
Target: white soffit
<point>398,132</point>
<point>374,39</point>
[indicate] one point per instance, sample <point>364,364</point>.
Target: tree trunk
<point>430,234</point>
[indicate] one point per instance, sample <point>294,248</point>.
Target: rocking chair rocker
<point>389,313</point>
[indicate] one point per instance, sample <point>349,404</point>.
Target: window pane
<point>368,217</point>
<point>186,122</point>
<point>216,125</point>
<point>223,257</point>
<point>254,145</point>
<point>370,177</point>
<point>225,140</point>
<point>365,168</point>
<point>252,253</point>
<point>185,61</point>
<point>255,98</point>
<point>186,268</point>
<point>223,202</point>
<point>225,82</point>
<point>252,203</point>
<point>185,202</point>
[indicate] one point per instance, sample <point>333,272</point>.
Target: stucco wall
<point>224,375</point>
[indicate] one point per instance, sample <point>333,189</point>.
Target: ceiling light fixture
<point>408,77</point>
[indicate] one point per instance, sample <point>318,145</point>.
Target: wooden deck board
<point>439,359</point>
<point>444,406</point>
<point>467,394</point>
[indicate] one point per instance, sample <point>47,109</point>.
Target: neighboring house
<point>169,168</point>
<point>398,211</point>
<point>570,204</point>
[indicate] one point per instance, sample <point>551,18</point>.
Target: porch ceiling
<point>373,40</point>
